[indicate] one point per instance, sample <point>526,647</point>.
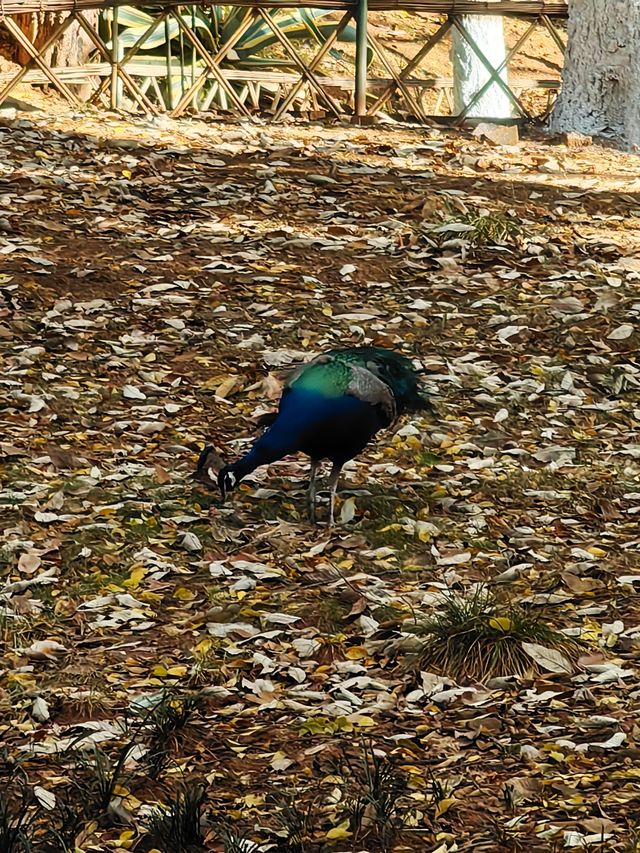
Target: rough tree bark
<point>601,77</point>
<point>72,49</point>
<point>470,74</point>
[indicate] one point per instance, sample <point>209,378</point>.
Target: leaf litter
<point>158,278</point>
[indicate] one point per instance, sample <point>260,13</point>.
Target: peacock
<point>331,407</point>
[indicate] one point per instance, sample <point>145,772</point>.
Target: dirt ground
<point>156,279</point>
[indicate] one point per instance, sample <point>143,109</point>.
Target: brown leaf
<point>161,476</point>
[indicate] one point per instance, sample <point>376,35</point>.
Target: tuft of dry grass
<point>476,637</point>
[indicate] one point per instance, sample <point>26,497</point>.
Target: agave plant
<point>168,64</point>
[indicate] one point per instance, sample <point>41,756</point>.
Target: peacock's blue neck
<point>302,412</point>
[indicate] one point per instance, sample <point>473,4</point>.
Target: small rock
<point>550,166</point>
<point>17,104</point>
<point>124,144</point>
<point>498,134</point>
<point>575,140</point>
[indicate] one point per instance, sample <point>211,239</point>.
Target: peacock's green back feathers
<point>328,378</point>
<point>394,369</point>
<point>378,376</point>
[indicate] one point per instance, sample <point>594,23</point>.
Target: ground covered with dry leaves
<point>179,675</point>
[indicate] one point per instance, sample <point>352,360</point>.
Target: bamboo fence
<point>122,80</point>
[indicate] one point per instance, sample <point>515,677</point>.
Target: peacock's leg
<point>333,488</point>
<point>311,494</point>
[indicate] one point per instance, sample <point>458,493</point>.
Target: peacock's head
<point>228,479</point>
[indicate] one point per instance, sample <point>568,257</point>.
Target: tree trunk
<point>72,49</point>
<point>601,79</point>
<point>470,73</point>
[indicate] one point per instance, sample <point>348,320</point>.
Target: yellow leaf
<point>356,653</point>
<point>342,724</point>
<point>364,722</point>
<point>177,671</point>
<point>25,679</point>
<point>411,768</point>
<point>125,842</point>
<point>444,805</point>
<point>149,596</point>
<point>203,646</point>
<point>501,623</point>
<point>339,832</point>
<point>121,792</point>
<point>423,530</point>
<point>135,577</point>
<point>596,552</point>
<point>159,671</point>
<point>184,594</point>
<point>226,387</point>
<point>126,173</point>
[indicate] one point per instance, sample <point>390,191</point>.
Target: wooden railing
<point>528,8</point>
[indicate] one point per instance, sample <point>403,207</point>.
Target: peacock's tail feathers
<point>366,386</point>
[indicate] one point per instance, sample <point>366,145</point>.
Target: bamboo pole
<point>361,60</point>
<point>133,89</point>
<point>169,62</point>
<point>116,89</point>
